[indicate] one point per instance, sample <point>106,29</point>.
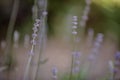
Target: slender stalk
<point>42,33</point>
<point>10,31</point>
<point>72,61</point>
<point>27,69</point>
<point>8,51</point>
<point>40,53</point>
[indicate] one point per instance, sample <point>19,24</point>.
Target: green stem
<point>42,34</point>
<point>72,63</point>
<point>10,30</point>
<point>8,51</point>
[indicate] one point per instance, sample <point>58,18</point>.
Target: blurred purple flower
<point>75,17</point>
<point>77,54</point>
<point>75,23</point>
<point>54,71</point>
<point>117,55</point>
<point>85,17</point>
<point>74,32</point>
<point>74,27</point>
<point>76,69</point>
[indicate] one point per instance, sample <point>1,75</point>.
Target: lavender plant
<point>8,51</point>
<point>116,66</point>
<point>96,46</point>
<point>74,33</point>
<point>54,73</point>
<point>41,31</point>
<point>42,13</point>
<point>33,42</point>
<point>95,51</point>
<point>39,15</point>
<point>85,13</point>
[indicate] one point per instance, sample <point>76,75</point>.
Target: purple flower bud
<point>77,39</point>
<point>85,17</point>
<point>45,13</point>
<point>77,62</point>
<point>54,77</point>
<point>75,17</point>
<point>91,57</point>
<point>35,29</point>
<point>54,71</point>
<point>116,70</point>
<point>100,35</point>
<point>97,44</point>
<point>95,50</point>
<point>33,42</point>
<point>100,40</point>
<point>117,55</point>
<point>117,63</point>
<point>31,52</point>
<point>75,23</point>
<point>74,27</point>
<point>76,69</point>
<point>77,54</point>
<point>74,32</point>
<point>37,21</point>
<point>36,24</point>
<point>34,35</point>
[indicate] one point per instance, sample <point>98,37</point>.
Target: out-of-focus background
<point>104,17</point>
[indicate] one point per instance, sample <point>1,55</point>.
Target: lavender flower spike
<point>54,73</point>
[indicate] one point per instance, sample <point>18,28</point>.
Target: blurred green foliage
<point>104,15</point>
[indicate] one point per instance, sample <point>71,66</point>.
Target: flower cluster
<point>76,67</point>
<point>117,63</point>
<point>33,42</point>
<point>34,35</point>
<point>96,45</point>
<point>85,14</point>
<point>76,54</point>
<point>54,73</point>
<point>74,27</point>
